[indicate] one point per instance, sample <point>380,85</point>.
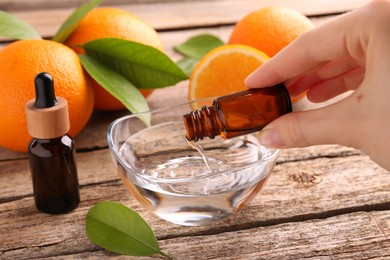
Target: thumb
<point>328,125</point>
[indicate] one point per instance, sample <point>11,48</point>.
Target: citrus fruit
<point>115,23</point>
<point>270,29</point>
<point>21,61</point>
<point>223,70</point>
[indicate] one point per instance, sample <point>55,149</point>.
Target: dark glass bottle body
<point>54,174</point>
<point>238,113</point>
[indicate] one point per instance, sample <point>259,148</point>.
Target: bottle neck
<point>202,123</point>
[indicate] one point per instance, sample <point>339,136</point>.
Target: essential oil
<point>238,114</point>
<point>51,151</point>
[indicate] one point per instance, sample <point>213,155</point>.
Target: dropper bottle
<point>238,114</point>
<point>51,151</point>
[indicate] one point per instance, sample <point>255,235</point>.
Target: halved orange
<point>223,70</point>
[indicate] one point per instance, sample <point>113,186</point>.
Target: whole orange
<point>21,61</point>
<point>270,29</point>
<point>116,23</point>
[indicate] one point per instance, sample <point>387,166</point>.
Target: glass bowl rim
<point>112,147</point>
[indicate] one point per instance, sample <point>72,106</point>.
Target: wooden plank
<point>25,5</point>
<point>16,173</point>
<point>296,191</point>
<point>357,235</point>
<point>363,235</point>
<point>185,14</point>
<point>354,236</point>
<point>96,167</point>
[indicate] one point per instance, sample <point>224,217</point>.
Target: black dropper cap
<point>44,91</point>
<point>47,115</point>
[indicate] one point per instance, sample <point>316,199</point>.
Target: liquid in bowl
<point>171,178</point>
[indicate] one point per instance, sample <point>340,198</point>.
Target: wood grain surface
<point>321,202</point>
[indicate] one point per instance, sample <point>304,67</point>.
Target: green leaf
<point>118,86</point>
<point>15,28</point>
<point>196,47</point>
<point>119,229</point>
<point>187,64</point>
<point>74,20</point>
<point>144,66</point>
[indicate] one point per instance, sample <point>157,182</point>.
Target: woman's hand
<point>351,52</point>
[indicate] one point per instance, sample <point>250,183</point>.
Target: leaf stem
<point>166,256</point>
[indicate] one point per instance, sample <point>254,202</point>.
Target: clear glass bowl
<point>169,177</point>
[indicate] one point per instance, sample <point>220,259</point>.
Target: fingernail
<point>248,81</point>
<point>271,138</point>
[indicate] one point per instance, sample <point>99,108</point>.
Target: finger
<point>324,71</point>
<point>304,83</point>
<point>337,38</point>
<point>297,85</point>
<point>333,87</point>
<point>321,126</point>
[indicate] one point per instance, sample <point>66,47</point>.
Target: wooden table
<point>321,202</point>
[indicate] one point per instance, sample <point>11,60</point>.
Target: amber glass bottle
<point>51,152</point>
<point>238,113</point>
